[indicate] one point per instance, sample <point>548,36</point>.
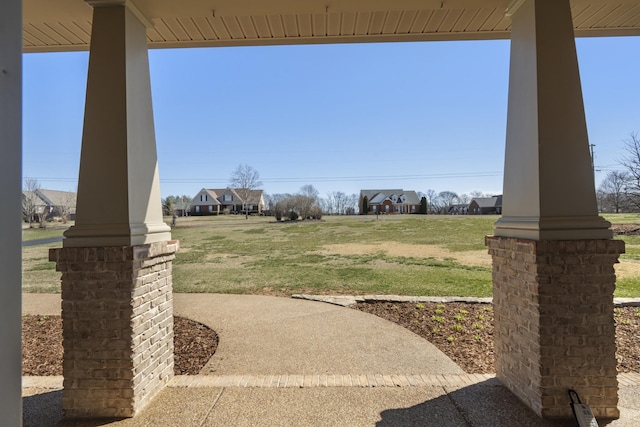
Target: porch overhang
<point>65,25</point>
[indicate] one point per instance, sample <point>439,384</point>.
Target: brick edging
<point>325,380</point>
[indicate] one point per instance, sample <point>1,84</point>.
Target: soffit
<point>65,25</point>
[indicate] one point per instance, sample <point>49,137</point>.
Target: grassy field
<point>403,254</point>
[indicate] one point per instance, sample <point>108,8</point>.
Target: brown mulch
<point>194,344</point>
<point>464,332</point>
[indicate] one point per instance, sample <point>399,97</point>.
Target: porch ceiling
<point>65,25</point>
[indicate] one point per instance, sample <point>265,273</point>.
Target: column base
<point>554,325</point>
<point>117,317</point>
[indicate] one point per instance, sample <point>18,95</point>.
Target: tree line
<point>619,191</point>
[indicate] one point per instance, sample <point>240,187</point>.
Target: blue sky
<point>345,117</point>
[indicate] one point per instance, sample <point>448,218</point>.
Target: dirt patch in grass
<point>396,249</point>
<point>626,229</point>
<point>194,344</point>
<point>464,332</point>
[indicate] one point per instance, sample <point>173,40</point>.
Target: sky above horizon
<point>344,117</point>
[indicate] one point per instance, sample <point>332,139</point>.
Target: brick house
<point>390,201</point>
<point>486,206</point>
<point>217,201</point>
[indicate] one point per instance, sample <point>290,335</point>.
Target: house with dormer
<point>226,200</point>
<point>394,201</point>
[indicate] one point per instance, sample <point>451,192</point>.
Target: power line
<point>315,179</point>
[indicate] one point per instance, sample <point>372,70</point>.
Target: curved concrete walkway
<point>289,362</point>
<point>261,335</point>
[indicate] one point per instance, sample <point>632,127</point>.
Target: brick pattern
<point>333,380</point>
<point>117,317</point>
<point>554,326</point>
<point>450,381</point>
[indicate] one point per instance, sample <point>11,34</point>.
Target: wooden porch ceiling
<point>65,25</point>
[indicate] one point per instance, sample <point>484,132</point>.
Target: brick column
<point>554,326</point>
<point>117,314</point>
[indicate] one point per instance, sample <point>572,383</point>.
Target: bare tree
<point>612,192</point>
<point>68,203</point>
<point>464,198</point>
<point>329,204</point>
<point>309,191</point>
<point>432,198</point>
<point>632,162</point>
<point>477,194</point>
<point>244,180</point>
<point>30,200</point>
<point>306,200</point>
<point>449,198</point>
<point>184,204</point>
<point>351,207</point>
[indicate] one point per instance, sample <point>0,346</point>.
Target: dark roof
<point>488,202</point>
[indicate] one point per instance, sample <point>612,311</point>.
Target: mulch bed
<point>194,344</point>
<point>464,332</point>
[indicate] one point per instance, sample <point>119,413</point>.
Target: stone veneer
<point>117,314</point>
<point>554,326</point>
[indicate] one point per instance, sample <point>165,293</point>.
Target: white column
<point>118,189</point>
<point>11,213</point>
<point>548,179</point>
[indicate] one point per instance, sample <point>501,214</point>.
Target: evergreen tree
<point>365,206</point>
<point>423,205</point>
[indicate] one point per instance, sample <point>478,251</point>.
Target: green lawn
<point>397,254</point>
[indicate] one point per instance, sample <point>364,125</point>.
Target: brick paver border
<point>324,380</point>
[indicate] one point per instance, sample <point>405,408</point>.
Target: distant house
<point>51,203</point>
<point>226,200</point>
<point>390,201</point>
<point>458,209</point>
<point>486,206</point>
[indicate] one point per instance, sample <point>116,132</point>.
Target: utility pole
<point>593,168</point>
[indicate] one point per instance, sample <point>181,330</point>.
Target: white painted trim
<point>11,215</point>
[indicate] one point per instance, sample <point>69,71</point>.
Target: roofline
<point>315,40</point>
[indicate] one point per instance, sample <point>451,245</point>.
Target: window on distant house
<point>210,208</point>
<point>227,197</point>
<point>197,209</point>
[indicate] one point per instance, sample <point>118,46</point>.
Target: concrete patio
<point>292,362</point>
